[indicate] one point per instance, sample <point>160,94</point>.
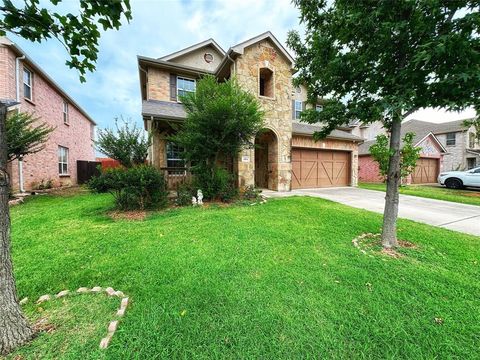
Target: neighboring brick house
<point>24,81</point>
<point>286,156</point>
<point>445,146</point>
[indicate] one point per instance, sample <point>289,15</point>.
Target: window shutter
<point>173,87</point>
<point>293,109</point>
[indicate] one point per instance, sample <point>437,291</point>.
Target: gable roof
<point>422,130</point>
<point>240,48</point>
<point>436,128</point>
<point>7,42</point>
<point>209,42</point>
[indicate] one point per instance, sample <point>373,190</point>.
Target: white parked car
<point>460,179</point>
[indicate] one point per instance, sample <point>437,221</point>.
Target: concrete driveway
<point>449,215</point>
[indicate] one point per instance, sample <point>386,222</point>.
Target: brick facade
<point>47,104</point>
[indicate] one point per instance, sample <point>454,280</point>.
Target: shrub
<point>216,183</point>
<point>185,192</point>
<point>251,193</point>
<point>137,188</point>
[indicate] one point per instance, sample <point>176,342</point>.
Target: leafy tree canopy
<point>382,60</point>
<point>127,144</point>
<point>79,33</point>
<point>25,135</point>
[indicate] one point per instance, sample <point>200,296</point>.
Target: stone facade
<point>278,113</point>
<point>261,67</point>
<point>47,104</point>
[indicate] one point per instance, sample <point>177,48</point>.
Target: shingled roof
<point>308,129</point>
<point>421,130</point>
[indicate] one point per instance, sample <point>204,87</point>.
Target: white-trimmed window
<point>62,160</point>
<point>175,159</point>
<point>185,86</point>
<point>451,138</point>
<point>65,112</point>
<point>318,107</point>
<point>298,109</point>
<point>27,84</point>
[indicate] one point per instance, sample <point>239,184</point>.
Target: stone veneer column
<point>278,111</point>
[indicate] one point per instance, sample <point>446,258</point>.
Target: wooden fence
<point>176,176</point>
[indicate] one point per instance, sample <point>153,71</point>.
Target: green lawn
<point>279,280</point>
<point>471,197</point>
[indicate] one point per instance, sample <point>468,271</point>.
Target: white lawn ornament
<point>200,197</point>
<point>194,201</point>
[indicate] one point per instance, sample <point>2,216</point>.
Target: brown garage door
<point>320,168</point>
<point>426,171</point>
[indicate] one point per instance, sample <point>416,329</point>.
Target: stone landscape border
<point>113,324</point>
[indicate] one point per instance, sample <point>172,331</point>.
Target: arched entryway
<point>266,160</point>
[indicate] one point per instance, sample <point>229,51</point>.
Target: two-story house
<point>285,156</point>
<point>444,147</point>
<point>23,81</point>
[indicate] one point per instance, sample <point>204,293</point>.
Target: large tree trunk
<point>390,214</point>
<point>14,329</point>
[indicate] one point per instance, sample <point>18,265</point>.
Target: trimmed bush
<point>137,188</point>
<point>216,183</point>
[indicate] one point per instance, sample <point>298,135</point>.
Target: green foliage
<point>251,193</point>
<point>215,183</point>
<point>221,119</point>
<point>141,187</point>
<point>78,33</point>
<point>25,134</point>
<point>409,154</point>
<point>223,267</point>
<point>382,60</point>
<point>185,192</point>
<point>127,144</point>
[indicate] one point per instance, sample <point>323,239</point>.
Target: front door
<point>261,166</point>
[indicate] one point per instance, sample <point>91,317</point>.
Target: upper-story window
<point>298,109</point>
<point>471,140</point>
<point>27,84</point>
<point>265,80</point>
<point>318,107</point>
<point>451,138</point>
<point>65,112</point>
<point>185,86</point>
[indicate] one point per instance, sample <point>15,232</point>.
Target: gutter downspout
<point>234,65</point>
<point>17,89</point>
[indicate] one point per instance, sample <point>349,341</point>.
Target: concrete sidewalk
<point>449,215</point>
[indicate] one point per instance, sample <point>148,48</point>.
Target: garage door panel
<point>426,171</point>
<point>320,168</point>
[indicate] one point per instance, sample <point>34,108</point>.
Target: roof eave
<point>172,66</point>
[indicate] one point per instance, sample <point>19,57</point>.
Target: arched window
<point>266,84</point>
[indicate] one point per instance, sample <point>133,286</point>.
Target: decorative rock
<point>121,311</point>
<point>119,293</point>
<point>110,291</point>
<point>43,298</point>
<point>96,289</point>
<point>82,290</point>
<point>62,293</point>
<point>112,327</point>
<point>124,303</point>
<point>105,342</point>
<point>23,301</point>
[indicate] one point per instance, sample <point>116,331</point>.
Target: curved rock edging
<point>113,324</point>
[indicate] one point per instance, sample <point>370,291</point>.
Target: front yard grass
<point>279,280</point>
<point>471,197</point>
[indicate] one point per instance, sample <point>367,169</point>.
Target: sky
<point>160,27</point>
